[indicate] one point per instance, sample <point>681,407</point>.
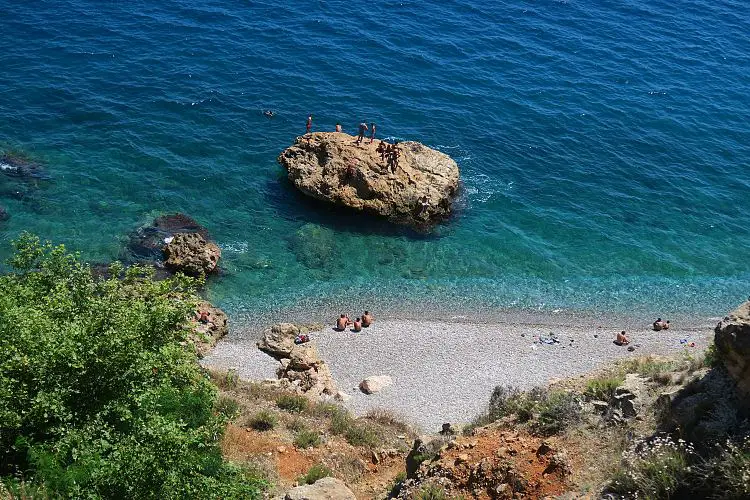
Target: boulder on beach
<point>327,488</point>
<point>191,254</point>
<point>375,383</point>
<point>330,166</point>
<point>732,340</point>
<point>205,335</point>
<point>299,364</point>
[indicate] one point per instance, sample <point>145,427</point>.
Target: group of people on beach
<point>362,322</point>
<point>622,339</point>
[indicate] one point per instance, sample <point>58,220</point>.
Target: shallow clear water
<point>604,148</point>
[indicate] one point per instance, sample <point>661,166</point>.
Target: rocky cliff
<point>732,342</point>
<point>330,166</point>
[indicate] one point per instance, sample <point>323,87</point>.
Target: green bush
<point>315,472</point>
<point>228,407</point>
<point>99,398</point>
<point>557,412</point>
<point>296,425</point>
<point>263,420</point>
<point>292,403</point>
<point>511,401</point>
<point>603,388</point>
<point>656,470</point>
<point>307,439</point>
<point>431,492</point>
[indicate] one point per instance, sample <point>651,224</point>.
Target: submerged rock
<point>330,166</point>
<point>21,167</point>
<point>4,215</point>
<point>147,242</point>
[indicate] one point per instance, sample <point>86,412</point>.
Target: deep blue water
<point>604,146</point>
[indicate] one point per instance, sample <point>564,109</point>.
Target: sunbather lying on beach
<point>622,339</point>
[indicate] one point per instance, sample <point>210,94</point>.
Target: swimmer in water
<point>269,114</point>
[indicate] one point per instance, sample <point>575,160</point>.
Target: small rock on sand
<point>375,383</point>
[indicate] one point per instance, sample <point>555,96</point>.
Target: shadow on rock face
<point>292,204</point>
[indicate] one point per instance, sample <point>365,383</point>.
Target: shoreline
<point>445,370</point>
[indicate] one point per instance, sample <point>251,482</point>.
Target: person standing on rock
<point>362,130</point>
<point>309,124</point>
<point>372,132</point>
<point>338,127</point>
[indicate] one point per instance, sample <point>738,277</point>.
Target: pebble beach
<point>445,371</point>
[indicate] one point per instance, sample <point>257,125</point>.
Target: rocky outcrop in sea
<point>330,166</point>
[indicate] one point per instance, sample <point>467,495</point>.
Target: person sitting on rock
<point>342,322</point>
<point>381,150</point>
<point>424,204</point>
<point>357,325</point>
<point>202,317</point>
<point>622,339</point>
<point>367,319</point>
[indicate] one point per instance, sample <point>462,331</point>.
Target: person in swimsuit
<point>367,319</point>
<point>357,325</point>
<point>372,132</point>
<point>622,339</point>
<point>338,127</point>
<point>308,127</point>
<point>342,322</point>
<point>362,130</point>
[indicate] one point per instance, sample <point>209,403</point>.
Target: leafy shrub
<point>603,388</point>
<point>263,420</point>
<point>726,475</point>
<point>431,492</point>
<point>711,357</point>
<point>295,425</point>
<point>510,401</point>
<point>315,472</point>
<point>307,439</point>
<point>228,407</point>
<point>656,470</point>
<point>360,434</point>
<point>558,411</point>
<point>292,403</point>
<point>98,396</point>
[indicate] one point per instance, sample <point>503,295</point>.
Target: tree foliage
<point>99,395</point>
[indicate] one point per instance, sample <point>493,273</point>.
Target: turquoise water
<point>604,146</point>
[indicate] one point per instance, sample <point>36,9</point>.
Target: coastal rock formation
<point>327,488</point>
<point>206,335</point>
<point>732,340</point>
<point>191,254</point>
<point>375,383</point>
<point>300,364</point>
<point>330,166</point>
<point>21,167</point>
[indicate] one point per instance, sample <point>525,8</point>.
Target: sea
<point>604,146</point>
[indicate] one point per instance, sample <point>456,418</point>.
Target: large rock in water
<point>732,342</point>
<point>191,254</point>
<point>330,166</point>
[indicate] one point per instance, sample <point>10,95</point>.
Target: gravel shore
<point>445,371</point>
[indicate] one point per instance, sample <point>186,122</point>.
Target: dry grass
<point>390,419</point>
